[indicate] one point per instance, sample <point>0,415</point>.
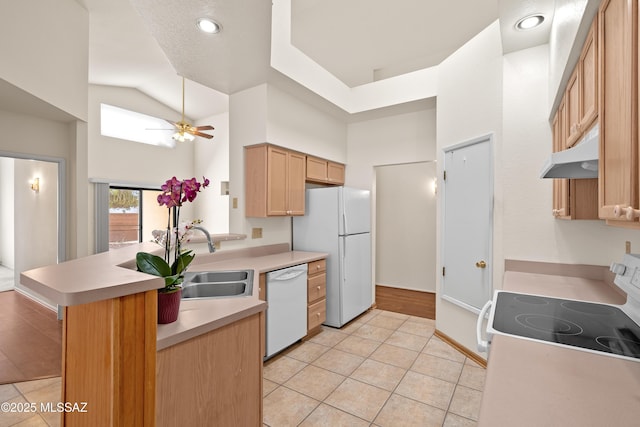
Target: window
<point>133,214</point>
<point>129,125</point>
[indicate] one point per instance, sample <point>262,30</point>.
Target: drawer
<point>317,314</point>
<point>316,287</point>
<point>317,267</point>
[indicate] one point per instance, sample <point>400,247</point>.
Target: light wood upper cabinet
<point>589,79</point>
<point>618,110</point>
<point>572,198</point>
<point>581,95</point>
<point>561,204</point>
<point>572,105</point>
<point>335,173</point>
<point>274,181</point>
<point>324,171</point>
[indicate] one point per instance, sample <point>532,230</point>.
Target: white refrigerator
<point>337,220</point>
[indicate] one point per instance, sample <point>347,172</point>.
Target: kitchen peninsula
<point>205,366</point>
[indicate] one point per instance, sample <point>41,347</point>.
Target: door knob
<point>481,264</point>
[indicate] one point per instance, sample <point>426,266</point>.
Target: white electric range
<point>612,330</point>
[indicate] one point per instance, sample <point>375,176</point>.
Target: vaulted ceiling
<point>147,44</point>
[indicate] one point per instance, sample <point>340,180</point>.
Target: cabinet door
<point>296,173</point>
<point>589,79</point>
<point>618,164</point>
<point>572,105</point>
<point>277,181</point>
<point>335,173</point>
<point>316,169</point>
<point>561,187</point>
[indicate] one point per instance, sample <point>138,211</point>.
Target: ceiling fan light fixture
<point>183,136</point>
<point>529,22</point>
<point>208,25</point>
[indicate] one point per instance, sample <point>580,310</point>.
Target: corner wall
<point>469,105</point>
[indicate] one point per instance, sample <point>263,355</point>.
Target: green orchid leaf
<point>152,264</point>
<point>173,281</point>
<point>182,262</point>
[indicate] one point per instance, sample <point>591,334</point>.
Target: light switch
<point>234,203</point>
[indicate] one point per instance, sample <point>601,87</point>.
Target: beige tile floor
<point>383,369</point>
<point>38,392</point>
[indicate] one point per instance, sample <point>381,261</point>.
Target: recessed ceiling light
<point>529,22</point>
<point>208,25</point>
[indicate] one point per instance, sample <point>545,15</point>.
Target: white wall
<point>294,124</point>
<point>212,161</point>
<point>469,105</point>
<point>36,230</point>
<point>405,226</point>
<point>44,47</point>
<point>7,229</point>
<point>267,114</point>
<point>128,162</point>
<point>403,138</point>
<point>133,162</point>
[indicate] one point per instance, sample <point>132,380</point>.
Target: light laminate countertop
<point>535,384</point>
<point>113,274</point>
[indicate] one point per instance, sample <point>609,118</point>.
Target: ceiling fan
<point>184,130</point>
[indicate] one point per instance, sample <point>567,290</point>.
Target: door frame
<point>62,195</point>
<point>488,138</point>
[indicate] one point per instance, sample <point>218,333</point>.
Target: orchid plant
<point>175,261</point>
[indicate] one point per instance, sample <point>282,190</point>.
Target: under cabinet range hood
<point>580,161</point>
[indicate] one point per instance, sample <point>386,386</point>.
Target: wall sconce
<point>35,184</point>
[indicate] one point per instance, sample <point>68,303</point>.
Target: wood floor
<point>405,301</point>
<point>30,340</point>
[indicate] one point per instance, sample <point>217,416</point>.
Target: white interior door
<point>468,223</point>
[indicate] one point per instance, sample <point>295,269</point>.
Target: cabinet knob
<point>318,314</point>
<point>318,267</point>
<point>318,287</point>
<point>629,213</point>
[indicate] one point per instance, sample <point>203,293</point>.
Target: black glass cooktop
<point>585,325</point>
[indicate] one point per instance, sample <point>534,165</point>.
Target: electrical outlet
<point>256,233</point>
<point>234,203</point>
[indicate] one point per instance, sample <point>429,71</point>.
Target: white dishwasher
<point>287,307</point>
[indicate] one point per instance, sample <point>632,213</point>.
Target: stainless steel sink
<point>217,284</point>
<point>217,276</point>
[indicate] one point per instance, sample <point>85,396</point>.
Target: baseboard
<point>35,299</point>
<point>406,301</point>
<point>462,349</point>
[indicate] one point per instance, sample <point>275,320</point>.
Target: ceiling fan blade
<point>206,127</point>
<point>204,135</point>
<point>171,123</point>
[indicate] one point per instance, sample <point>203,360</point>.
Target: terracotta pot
<point>168,306</point>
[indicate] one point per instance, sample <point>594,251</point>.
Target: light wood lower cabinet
<point>109,361</point>
<point>212,379</point>
<point>316,295</point>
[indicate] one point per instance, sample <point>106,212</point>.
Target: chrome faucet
<point>212,247</point>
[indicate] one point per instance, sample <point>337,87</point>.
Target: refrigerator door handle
<point>344,224</point>
<point>344,257</point>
